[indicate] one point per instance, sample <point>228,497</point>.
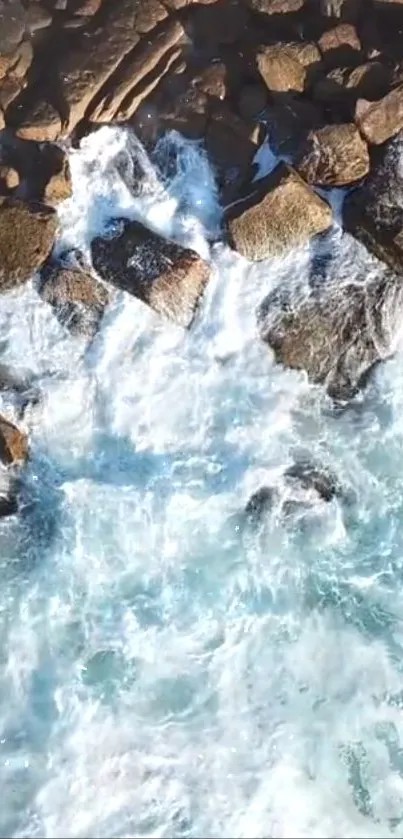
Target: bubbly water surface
<point>166,670</point>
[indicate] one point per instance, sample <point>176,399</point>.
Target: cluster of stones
<point>323,79</point>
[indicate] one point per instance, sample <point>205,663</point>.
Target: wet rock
<point>8,494</point>
<point>76,297</point>
<point>336,331</point>
<point>260,503</point>
<point>39,121</point>
<point>374,212</point>
<point>213,81</point>
<point>381,120</point>
<point>311,477</point>
<point>13,443</point>
<point>231,145</point>
<point>169,278</point>
<point>27,231</point>
<point>299,482</point>
<point>285,67</point>
<point>58,187</point>
<point>290,123</point>
<point>335,155</point>
<point>281,213</point>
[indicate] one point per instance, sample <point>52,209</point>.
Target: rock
<point>9,177</point>
<point>381,120</point>
<point>282,212</point>
<point>335,330</point>
<point>88,8</point>
<point>341,88</point>
<point>12,24</point>
<point>59,186</point>
<point>13,443</point>
<point>8,494</point>
<point>169,278</point>
<point>252,100</point>
<point>312,477</point>
<point>345,9</point>
<point>215,24</point>
<point>340,45</point>
<point>284,67</point>
<point>260,503</point>
<point>276,7</point>
<point>76,297</point>
<point>303,475</point>
<point>142,62</point>
<point>374,212</point>
<point>39,121</point>
<point>213,81</point>
<point>289,124</point>
<point>27,231</point>
<point>37,17</point>
<point>335,155</point>
<point>231,146</point>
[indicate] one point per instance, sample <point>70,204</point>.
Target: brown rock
<point>10,88</point>
<point>340,45</point>
<point>336,155</point>
<point>9,177</point>
<point>39,122</point>
<point>76,297</point>
<point>283,212</point>
<point>213,81</point>
<point>27,231</point>
<point>13,443</point>
<point>379,121</point>
<point>284,67</point>
<point>58,187</point>
<point>143,61</point>
<point>343,85</point>
<point>89,8</point>
<point>12,25</point>
<point>37,17</point>
<point>169,278</point>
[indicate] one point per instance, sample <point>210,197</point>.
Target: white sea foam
<point>165,670</point>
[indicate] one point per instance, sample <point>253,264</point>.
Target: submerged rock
<point>76,297</point>
<point>295,488</point>
<point>336,330</point>
<point>27,231</point>
<point>281,213</point>
<point>168,277</point>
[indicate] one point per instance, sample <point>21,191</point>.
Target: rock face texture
<point>13,443</point>
<point>336,155</point>
<point>27,232</point>
<point>76,297</point>
<point>169,278</point>
<point>282,213</point>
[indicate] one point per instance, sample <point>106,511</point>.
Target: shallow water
<point>168,670</point>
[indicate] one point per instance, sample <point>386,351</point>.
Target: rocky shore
<point>320,80</point>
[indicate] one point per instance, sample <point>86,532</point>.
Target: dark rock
<point>39,122</point>
<point>337,329</point>
<point>13,443</point>
<point>169,278</point>
<point>76,297</point>
<point>12,24</point>
<point>345,9</point>
<point>340,45</point>
<point>231,145</point>
<point>342,86</point>
<point>275,7</point>
<point>335,155</point>
<point>290,123</point>
<point>260,503</point>
<point>27,231</point>
<point>311,477</point>
<point>252,101</point>
<point>281,213</point>
<point>213,81</point>
<point>374,212</point>
<point>379,121</point>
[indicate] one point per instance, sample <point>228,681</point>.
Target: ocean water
<point>169,669</point>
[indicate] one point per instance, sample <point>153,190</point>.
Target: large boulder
<point>27,231</point>
<point>282,212</point>
<point>168,277</point>
<point>381,120</point>
<point>76,297</point>
<point>287,67</point>
<point>340,325</point>
<point>374,212</point>
<point>335,155</point>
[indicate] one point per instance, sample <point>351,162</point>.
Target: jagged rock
<point>285,67</point>
<point>27,231</point>
<point>374,212</point>
<point>281,213</point>
<point>13,443</point>
<point>335,330</point>
<point>300,483</point>
<point>143,61</point>
<point>231,145</point>
<point>312,477</point>
<point>340,45</point>
<point>169,278</point>
<point>381,120</point>
<point>76,297</point>
<point>335,155</point>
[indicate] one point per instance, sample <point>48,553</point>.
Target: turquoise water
<point>168,669</point>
